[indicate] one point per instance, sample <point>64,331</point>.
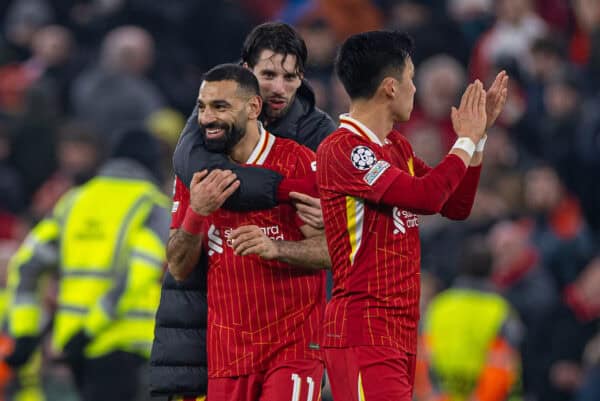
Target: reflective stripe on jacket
<point>107,240</point>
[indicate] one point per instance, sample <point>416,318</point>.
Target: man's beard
<point>224,144</point>
<point>272,114</point>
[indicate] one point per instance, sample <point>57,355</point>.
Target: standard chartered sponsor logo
<point>403,220</point>
<point>273,232</point>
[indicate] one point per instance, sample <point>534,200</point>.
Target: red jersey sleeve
<point>453,199</point>
<point>351,165</point>
<point>459,204</point>
<point>181,201</point>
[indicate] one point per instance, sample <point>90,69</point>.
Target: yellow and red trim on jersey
<point>411,166</point>
<point>361,390</point>
<point>355,214</point>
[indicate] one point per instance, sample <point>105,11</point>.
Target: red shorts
<point>370,373</point>
<point>290,380</point>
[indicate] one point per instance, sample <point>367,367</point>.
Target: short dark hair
<point>233,72</point>
<point>365,59</point>
<point>279,38</point>
<point>476,258</point>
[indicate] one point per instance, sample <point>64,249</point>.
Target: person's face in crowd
<point>402,105</point>
<point>560,99</point>
<point>543,189</point>
<point>545,65</point>
<point>77,158</point>
<point>223,115</point>
<point>439,88</point>
<point>278,80</point>
<point>507,241</point>
<point>512,10</point>
<point>52,45</point>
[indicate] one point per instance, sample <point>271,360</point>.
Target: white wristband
<point>481,144</point>
<point>465,144</point>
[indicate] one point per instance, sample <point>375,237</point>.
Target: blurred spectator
<point>33,132</point>
<point>516,27</point>
<point>548,61</point>
<point>113,230</point>
<point>522,279</point>
<point>590,389</point>
<point>584,43</point>
<point>557,13</point>
<point>473,17</point>
<point>78,155</point>
<point>550,128</point>
<point>470,337</point>
<point>48,68</point>
<point>436,32</point>
<point>440,81</point>
<point>586,164</point>
<point>116,93</point>
<point>321,47</point>
<point>501,176</point>
<point>12,199</point>
<point>23,18</point>
<point>559,230</point>
<point>166,124</point>
<point>566,331</point>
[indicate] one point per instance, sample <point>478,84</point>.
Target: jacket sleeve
<point>258,186</point>
<point>458,206</point>
<point>133,281</point>
<point>38,255</point>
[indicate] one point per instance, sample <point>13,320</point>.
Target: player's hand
<point>496,98</point>
<point>208,191</point>
<point>251,240</point>
<point>470,119</point>
<point>309,209</point>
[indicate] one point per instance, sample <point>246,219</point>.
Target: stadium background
<point>72,72</point>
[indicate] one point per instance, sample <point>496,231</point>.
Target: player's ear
<point>388,87</point>
<point>254,106</point>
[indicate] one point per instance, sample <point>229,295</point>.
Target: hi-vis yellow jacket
<point>470,335</point>
<point>106,240</point>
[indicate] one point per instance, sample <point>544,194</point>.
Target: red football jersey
<point>375,249</point>
<point>262,312</point>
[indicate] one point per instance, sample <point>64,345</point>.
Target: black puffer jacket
<point>178,360</point>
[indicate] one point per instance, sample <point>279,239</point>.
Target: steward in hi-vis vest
<point>469,344</point>
<point>106,241</point>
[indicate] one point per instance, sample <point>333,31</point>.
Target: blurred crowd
<point>73,73</point>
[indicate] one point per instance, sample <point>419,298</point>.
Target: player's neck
<point>243,149</point>
<point>375,116</point>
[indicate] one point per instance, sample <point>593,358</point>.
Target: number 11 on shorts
<point>298,384</point>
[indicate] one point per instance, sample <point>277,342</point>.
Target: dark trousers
<point>112,377</point>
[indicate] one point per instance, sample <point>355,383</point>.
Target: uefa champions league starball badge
<point>363,158</point>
